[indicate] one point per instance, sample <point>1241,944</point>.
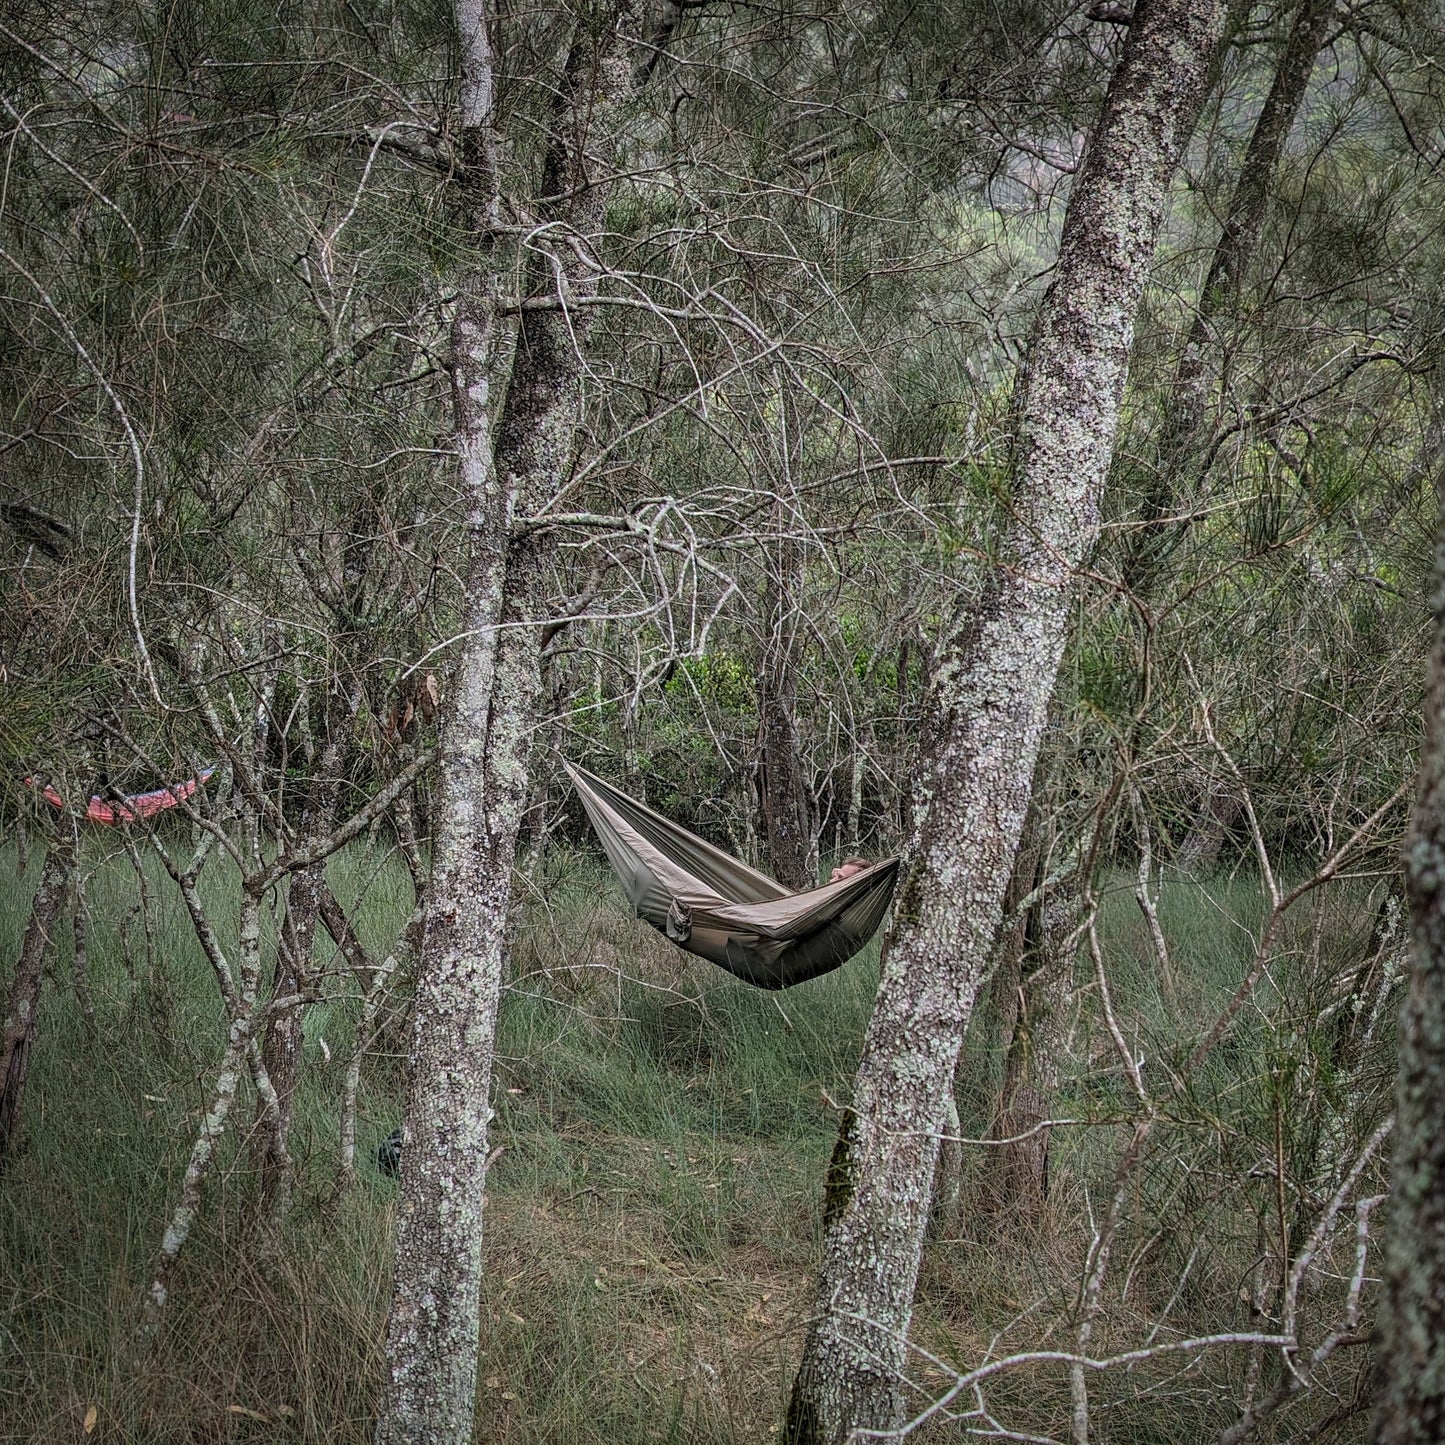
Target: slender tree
<point>22,1011</point>
<point>514,455</point>
<point>989,705</point>
<point>1184,434</point>
<point>782,785</point>
<point>282,1038</point>
<point>1235,250</point>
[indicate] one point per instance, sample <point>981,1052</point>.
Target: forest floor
<point>653,1219</point>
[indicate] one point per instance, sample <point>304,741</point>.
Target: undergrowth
<point>653,1215</point>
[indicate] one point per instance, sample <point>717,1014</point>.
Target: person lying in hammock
<point>848,868</point>
<point>717,907</point>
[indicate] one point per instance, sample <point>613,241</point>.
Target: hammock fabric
<point>719,909</point>
<point>133,805</point>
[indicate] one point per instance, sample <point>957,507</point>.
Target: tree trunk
<point>1179,459</point>
<point>1011,948</point>
<point>432,1333</point>
<point>80,965</point>
<point>241,1002</point>
<point>854,824</point>
<point>787,815</point>
<point>1219,811</point>
<point>1182,461</point>
<point>282,1035</point>
<point>1020,1161</point>
<point>281,1042</point>
<point>989,705</point>
<point>432,1330</point>
<point>20,1015</point>
<point>1033,973</point>
<point>1410,1387</point>
<point>374,993</point>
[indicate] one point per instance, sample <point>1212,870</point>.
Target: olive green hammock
<point>710,904</point>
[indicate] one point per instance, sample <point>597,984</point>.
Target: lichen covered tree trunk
<point>432,1329</point>
<point>1410,1387</point>
<point>988,707</point>
<point>510,465</point>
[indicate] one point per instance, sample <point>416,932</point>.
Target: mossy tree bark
<point>988,708</point>
<point>513,458</point>
<point>1410,1387</point>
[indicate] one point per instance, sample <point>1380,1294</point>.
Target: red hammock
<point>133,805</point>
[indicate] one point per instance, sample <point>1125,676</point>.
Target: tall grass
<point>653,1218</point>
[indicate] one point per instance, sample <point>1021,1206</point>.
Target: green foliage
<point>719,679</point>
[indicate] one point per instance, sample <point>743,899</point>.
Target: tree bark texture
<point>510,464</point>
<point>989,705</point>
<point>1011,947</point>
<point>21,1013</point>
<point>1410,1384</point>
<point>1179,451</point>
<point>432,1329</point>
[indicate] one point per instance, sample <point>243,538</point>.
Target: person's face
<point>846,871</point>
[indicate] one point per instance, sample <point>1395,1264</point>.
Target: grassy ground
<point>653,1219</point>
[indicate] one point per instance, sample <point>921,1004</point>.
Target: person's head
<point>848,868</point>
